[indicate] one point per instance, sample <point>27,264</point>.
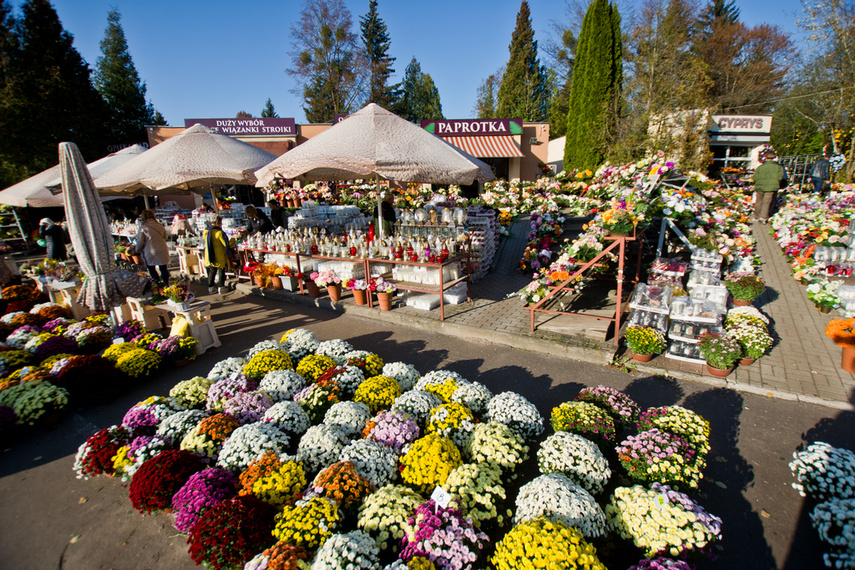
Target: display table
<point>198,315</point>
<point>248,255</point>
<point>437,289</point>
<point>191,260</point>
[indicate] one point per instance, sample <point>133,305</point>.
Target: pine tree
<point>488,91</point>
<point>524,92</point>
<point>268,110</point>
<point>419,96</point>
<point>117,80</point>
<point>159,119</point>
<point>561,75</point>
<point>48,96</point>
<point>595,90</point>
<point>377,42</point>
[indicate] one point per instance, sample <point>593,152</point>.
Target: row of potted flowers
<point>315,452</point>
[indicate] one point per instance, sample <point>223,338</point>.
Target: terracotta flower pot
<point>259,281</point>
<point>741,303</point>
<point>824,309</point>
<point>746,361</point>
<point>360,297</point>
<point>385,300</point>
<point>313,290</point>
<point>642,357</point>
<point>334,292</point>
<point>719,372</point>
<point>848,361</point>
<point>276,282</point>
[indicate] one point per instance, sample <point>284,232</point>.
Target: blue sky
<point>213,58</point>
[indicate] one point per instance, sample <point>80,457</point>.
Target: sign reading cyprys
<point>263,126</point>
<point>463,127</point>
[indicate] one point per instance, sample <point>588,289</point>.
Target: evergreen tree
<point>117,80</point>
<point>488,91</point>
<point>377,42</point>
<point>326,60</point>
<point>268,110</point>
<point>159,119</point>
<point>561,75</point>
<point>419,96</point>
<point>48,95</point>
<point>524,92</point>
<point>596,87</point>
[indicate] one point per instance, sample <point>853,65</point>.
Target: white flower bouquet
<point>443,383</point>
<point>225,368</point>
<point>661,520</point>
<point>824,472</point>
<point>303,343</point>
<point>174,427</point>
<point>496,444</point>
<point>405,374</point>
<point>264,345</point>
<point>336,349</point>
<point>280,385</point>
<point>354,550</point>
<point>478,491</point>
<point>289,417</point>
<point>249,442</point>
<point>350,417</point>
<point>417,403</point>
<point>577,458</point>
<point>517,413</point>
<point>319,447</point>
<point>376,462</point>
<point>384,514</point>
<point>474,396</point>
<point>557,498</point>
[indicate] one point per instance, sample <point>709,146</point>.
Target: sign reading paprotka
<point>262,126</point>
<point>463,127</point>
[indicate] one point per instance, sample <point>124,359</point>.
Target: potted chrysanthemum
<point>720,351</point>
<point>744,287</point>
<point>644,342</point>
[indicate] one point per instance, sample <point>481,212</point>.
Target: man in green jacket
<point>767,182</point>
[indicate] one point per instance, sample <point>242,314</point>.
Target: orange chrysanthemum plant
<point>842,332</point>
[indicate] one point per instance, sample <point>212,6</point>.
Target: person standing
<point>767,181</point>
<point>277,214</point>
<point>218,251</point>
<point>820,173</point>
<point>151,245</point>
<point>258,221</point>
<point>387,216</point>
<point>55,239</point>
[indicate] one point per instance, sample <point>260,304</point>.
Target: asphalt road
<point>52,520</point>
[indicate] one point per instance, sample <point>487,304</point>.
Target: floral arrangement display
<point>378,393</point>
<point>577,458</point>
<point>159,478</point>
<point>744,285</point>
<point>192,393</point>
<point>266,361</point>
<point>356,285</point>
<point>376,462</point>
<point>130,330</point>
<point>517,413</point>
<point>754,341</point>
<point>60,344</point>
<point>95,455</point>
<point>841,331</point>
<point>57,325</point>
<point>824,294</point>
<point>325,278</point>
<point>139,363</point>
<point>320,446</point>
<point>428,462</point>
<point>14,359</point>
<point>175,427</point>
<point>719,350</point>
<point>341,483</point>
<point>177,292</point>
<point>347,378</point>
<point>247,407</point>
<point>281,385</point>
<point>209,434</point>
<point>623,409</point>
<point>416,403</point>
<point>313,366</point>
<point>94,338</point>
<point>393,428</point>
<point>384,513</point>
<point>474,396</point>
<point>680,421</point>
<point>114,351</point>
<point>368,362</point>
<point>336,349</point>
<point>51,311</point>
<point>745,316</point>
<point>132,456</point>
<point>537,543</point>
<point>660,457</point>
<point>382,286</point>
<point>273,480</point>
<point>585,419</point>
<point>660,520</point>
<point>355,549</point>
<point>477,491</point>
<point>265,345</point>
<point>149,340</point>
<point>203,491</point>
<point>317,398</point>
<point>140,420</point>
<point>558,498</point>
<point>619,218</point>
<point>289,417</point>
<point>453,420</point>
<point>226,368</point>
<point>443,383</point>
<point>349,417</point>
<point>302,342</point>
<point>824,472</point>
<point>308,523</point>
<point>177,347</point>
<point>644,340</point>
<point>404,374</point>
<point>444,537</point>
<point>231,533</point>
<point>21,336</point>
<point>280,555</point>
<point>223,390</point>
<point>31,401</point>
<point>249,442</point>
<point>497,444</point>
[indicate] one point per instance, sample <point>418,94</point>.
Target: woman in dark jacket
<point>55,239</point>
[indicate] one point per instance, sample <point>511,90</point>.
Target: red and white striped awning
<point>488,146</point>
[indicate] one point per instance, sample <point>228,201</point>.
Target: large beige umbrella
<point>375,143</point>
<point>193,160</point>
<point>42,190</point>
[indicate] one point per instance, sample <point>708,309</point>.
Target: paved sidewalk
<point>802,365</point>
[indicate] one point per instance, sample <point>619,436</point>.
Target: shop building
<point>736,140</point>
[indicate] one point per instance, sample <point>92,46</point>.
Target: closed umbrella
<point>105,284</point>
<point>193,160</point>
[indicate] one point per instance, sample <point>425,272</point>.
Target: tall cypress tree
<point>524,92</point>
<point>377,42</point>
<point>117,80</point>
<point>50,94</point>
<point>595,90</point>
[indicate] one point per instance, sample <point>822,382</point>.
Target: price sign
<point>440,497</point>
